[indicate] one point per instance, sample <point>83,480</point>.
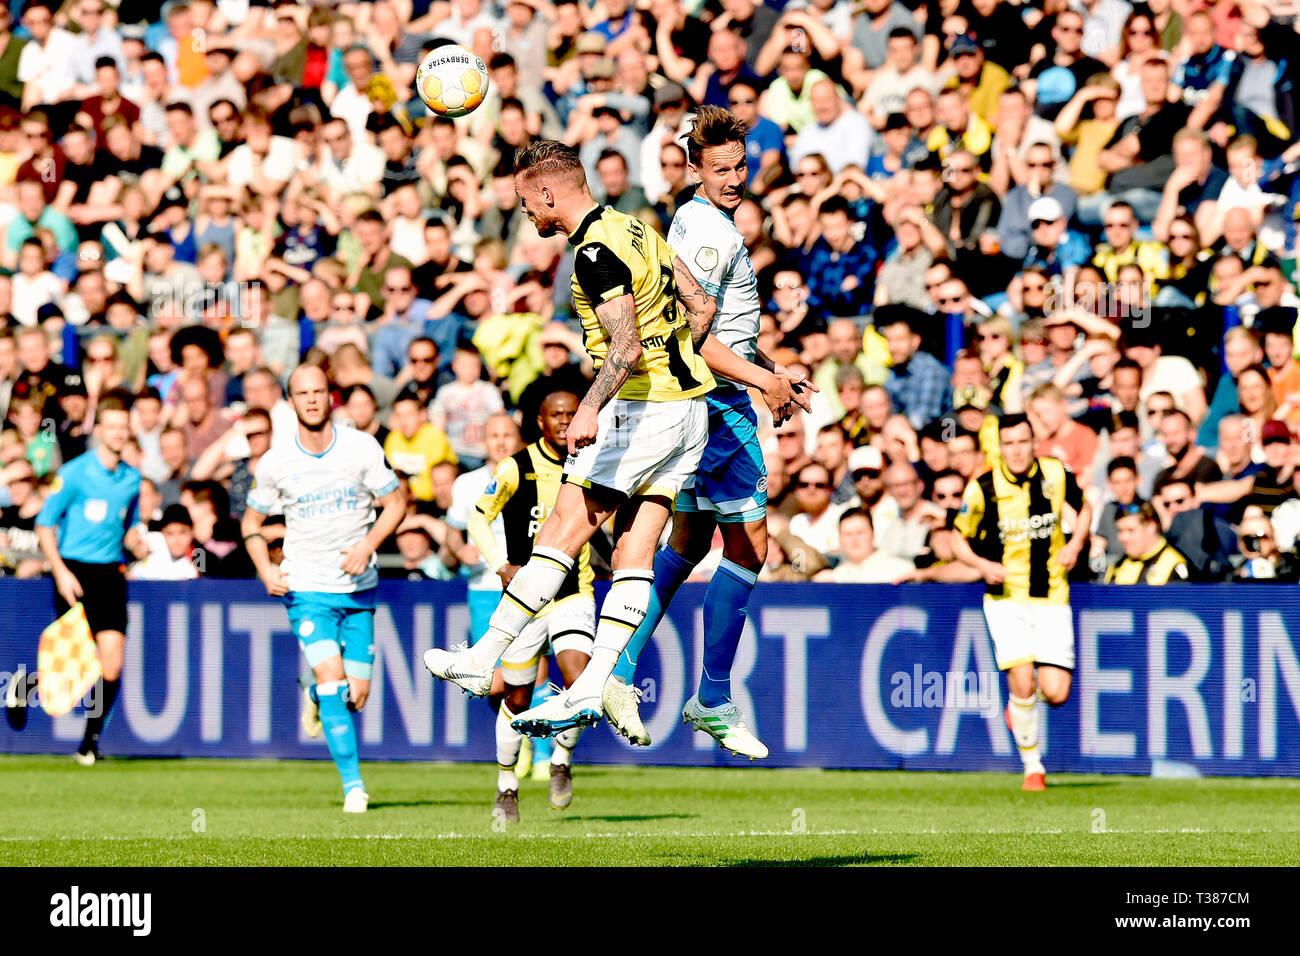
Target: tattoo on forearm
<point>699,305</point>
<point>618,318</point>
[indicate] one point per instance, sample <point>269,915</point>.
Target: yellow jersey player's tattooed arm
<point>618,318</point>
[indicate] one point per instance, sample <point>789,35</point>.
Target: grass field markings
<point>644,835</point>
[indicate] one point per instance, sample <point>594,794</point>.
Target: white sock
<point>509,741</point>
<point>563,744</point>
<point>621,614</point>
<point>530,590</point>
<point>1024,727</point>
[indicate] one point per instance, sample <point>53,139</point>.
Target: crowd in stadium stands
<point>1080,209</point>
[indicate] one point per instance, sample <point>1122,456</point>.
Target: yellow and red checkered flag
<point>67,663</point>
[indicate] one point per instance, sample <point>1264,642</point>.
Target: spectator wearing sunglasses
<point>1020,202</point>
<point>1204,539</point>
<point>1147,557</point>
<point>816,520</point>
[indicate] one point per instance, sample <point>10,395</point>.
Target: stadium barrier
<point>1183,679</point>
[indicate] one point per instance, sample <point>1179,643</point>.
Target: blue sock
<point>542,746</point>
<point>340,734</point>
<point>724,620</point>
<point>671,569</point>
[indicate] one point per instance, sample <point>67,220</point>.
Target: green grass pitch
<point>269,813</point>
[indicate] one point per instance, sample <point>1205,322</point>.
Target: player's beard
<point>315,426</point>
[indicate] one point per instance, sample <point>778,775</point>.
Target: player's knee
<point>1056,696</point>
<point>519,698</point>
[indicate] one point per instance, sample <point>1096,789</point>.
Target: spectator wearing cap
<point>839,133</point>
<point>1053,248</point>
<point>866,468</point>
<point>917,382</point>
<point>982,81</point>
<point>1015,225</point>
<point>169,549</point>
<point>672,122</point>
<point>1265,487</point>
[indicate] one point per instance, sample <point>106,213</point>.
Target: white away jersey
<point>329,505</point>
<point>465,493</point>
<point>706,239</point>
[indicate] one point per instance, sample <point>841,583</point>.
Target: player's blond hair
<point>552,159</point>
<point>713,126</point>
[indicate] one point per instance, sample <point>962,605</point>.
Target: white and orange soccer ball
<point>452,80</point>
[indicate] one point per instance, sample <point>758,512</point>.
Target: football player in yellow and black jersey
<point>1011,529</point>
<point>637,435</point>
<point>523,492</point>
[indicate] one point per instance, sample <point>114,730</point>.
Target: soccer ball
<point>452,80</point>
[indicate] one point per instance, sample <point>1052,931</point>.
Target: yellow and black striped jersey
<point>1160,565</point>
<point>523,492</point>
<point>613,255</point>
<point>1016,521</point>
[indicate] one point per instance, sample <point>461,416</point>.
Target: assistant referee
<point>82,528</point>
<point>1011,529</point>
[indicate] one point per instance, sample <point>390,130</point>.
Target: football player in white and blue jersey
<point>729,490</point>
<point>328,482</point>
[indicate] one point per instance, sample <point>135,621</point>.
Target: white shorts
<point>643,448</point>
<point>1030,633</point>
<point>567,625</point>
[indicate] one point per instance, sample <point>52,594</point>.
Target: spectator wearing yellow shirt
<point>983,80</point>
<point>1148,557</point>
<point>415,445</point>
<point>1089,136</point>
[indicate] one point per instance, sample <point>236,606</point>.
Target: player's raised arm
<point>618,318</point>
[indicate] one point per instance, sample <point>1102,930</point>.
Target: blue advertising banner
<point>1186,678</point>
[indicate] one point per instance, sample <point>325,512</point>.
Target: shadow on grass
<point>633,817</point>
<point>848,859</point>
<point>387,804</point>
<point>1081,784</point>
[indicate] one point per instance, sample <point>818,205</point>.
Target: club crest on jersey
<point>762,484</point>
<point>491,489</point>
<point>707,258</point>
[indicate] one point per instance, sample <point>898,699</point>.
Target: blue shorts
<point>333,625</point>
<point>731,483</point>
